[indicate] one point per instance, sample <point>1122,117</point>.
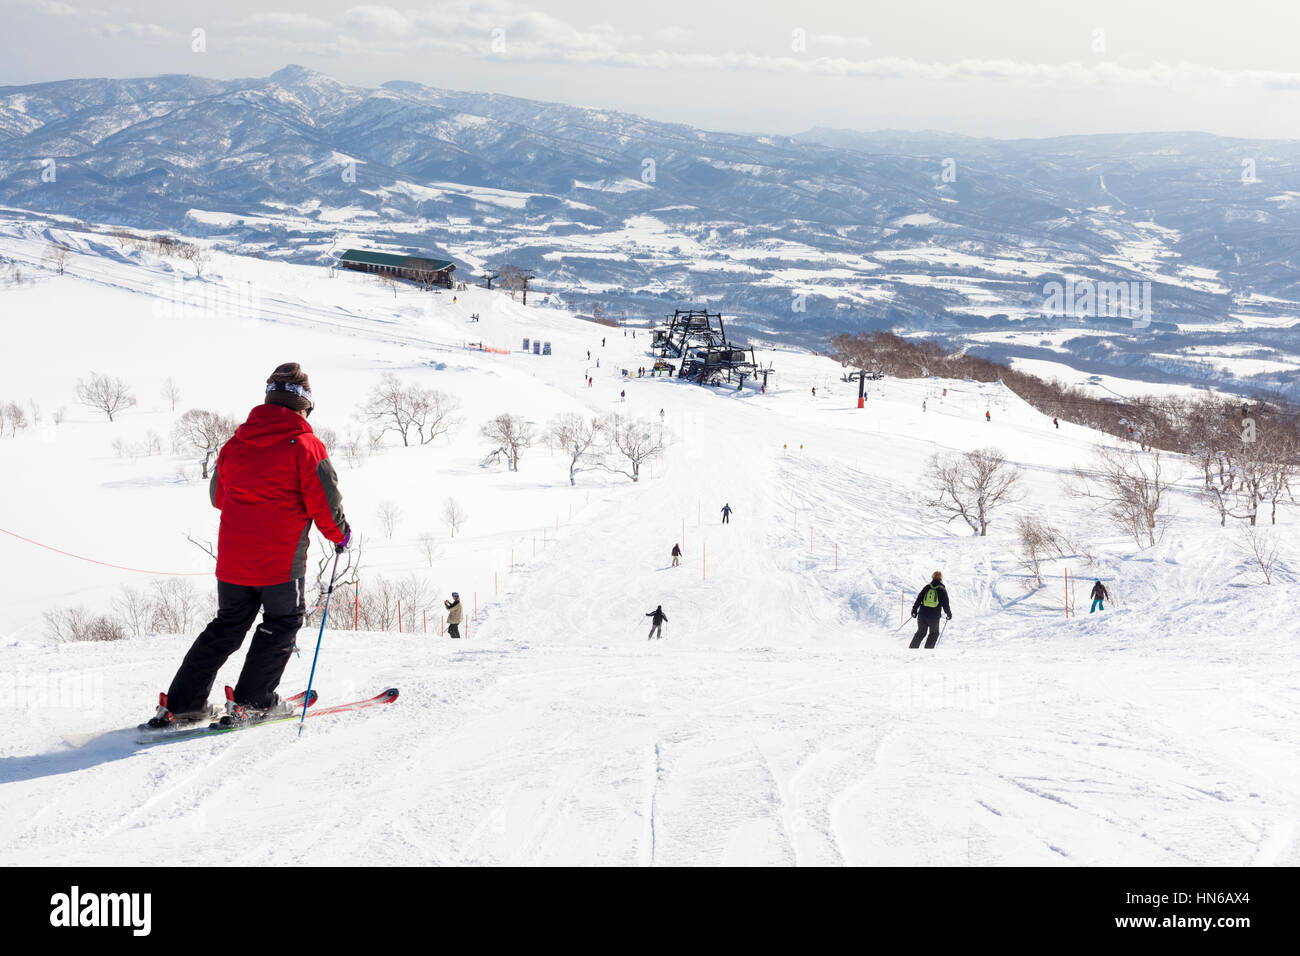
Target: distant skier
<point>602,343</point>
<point>814,391</point>
<point>988,417</point>
<point>589,381</point>
<point>622,396</point>
<point>922,405</point>
<point>1099,594</point>
<point>657,618</point>
<point>677,555</point>
<point>1056,423</point>
<point>455,614</point>
<point>588,355</point>
<point>272,480</point>
<point>926,608</point>
<point>726,514</point>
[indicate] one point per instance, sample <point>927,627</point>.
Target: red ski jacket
<point>272,480</point>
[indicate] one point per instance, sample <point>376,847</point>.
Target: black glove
<point>913,612</point>
<point>950,617</point>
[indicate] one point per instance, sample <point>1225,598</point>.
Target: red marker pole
<point>399,617</point>
<point>356,605</point>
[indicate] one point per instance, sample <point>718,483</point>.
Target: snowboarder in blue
<point>1099,594</point>
<point>726,514</point>
<point>926,608</point>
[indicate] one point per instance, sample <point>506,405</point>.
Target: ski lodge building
<point>426,272</point>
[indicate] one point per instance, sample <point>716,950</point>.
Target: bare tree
<point>635,442</point>
<point>108,395</point>
<point>1129,484</point>
<point>328,437</point>
<point>203,431</point>
<point>77,624</point>
<point>512,279</point>
<point>580,439</point>
<point>510,434</point>
<point>346,573</point>
<point>135,610</point>
<point>57,255</point>
<point>172,392</point>
<point>177,606</point>
<point>430,546</point>
<point>432,412</point>
<point>1039,542</point>
<point>195,255</point>
<point>972,486</point>
<point>13,419</point>
<point>410,410</point>
<point>1260,545</point>
<point>388,281</point>
<point>389,515</point>
<point>1283,461</point>
<point>453,515</point>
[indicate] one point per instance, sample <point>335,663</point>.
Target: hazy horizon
<point>996,69</point>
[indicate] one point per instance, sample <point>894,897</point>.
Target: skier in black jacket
<point>1099,596</point>
<point>926,608</point>
<point>657,622</point>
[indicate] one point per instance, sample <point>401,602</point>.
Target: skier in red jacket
<point>273,479</point>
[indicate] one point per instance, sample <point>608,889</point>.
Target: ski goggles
<point>295,389</point>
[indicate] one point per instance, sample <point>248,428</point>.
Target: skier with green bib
<point>932,600</point>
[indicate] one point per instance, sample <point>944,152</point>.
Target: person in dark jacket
<point>932,600</point>
<point>455,614</point>
<point>726,514</point>
<point>272,481</point>
<point>677,555</point>
<point>1099,594</point>
<point>657,618</point>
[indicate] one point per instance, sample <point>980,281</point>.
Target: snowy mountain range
<point>797,237</point>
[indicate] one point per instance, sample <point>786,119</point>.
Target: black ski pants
<point>453,630</point>
<point>656,630</point>
<point>283,608</point>
<point>922,625</point>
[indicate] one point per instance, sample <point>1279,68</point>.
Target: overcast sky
<point>1005,68</point>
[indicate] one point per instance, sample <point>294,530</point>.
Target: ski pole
<point>324,614</point>
<point>942,628</point>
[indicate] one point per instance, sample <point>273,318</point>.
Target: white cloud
<point>284,23</point>
<point>465,27</point>
<point>375,19</point>
<point>150,32</point>
<point>834,42</point>
<point>51,7</point>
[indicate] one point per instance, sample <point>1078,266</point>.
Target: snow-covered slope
<point>782,720</point>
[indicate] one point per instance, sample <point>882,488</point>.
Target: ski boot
<point>164,719</point>
<point>237,713</point>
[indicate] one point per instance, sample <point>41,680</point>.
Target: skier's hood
<point>269,424</point>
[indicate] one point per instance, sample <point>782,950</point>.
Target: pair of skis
<point>216,728</point>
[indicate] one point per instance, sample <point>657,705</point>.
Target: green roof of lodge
<point>399,262</point>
